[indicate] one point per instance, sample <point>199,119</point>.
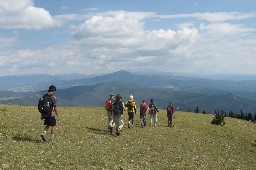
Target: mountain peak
<point>121,72</point>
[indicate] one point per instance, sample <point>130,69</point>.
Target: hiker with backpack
<point>170,114</point>
<point>131,107</point>
<point>118,109</point>
<point>109,109</point>
<point>143,113</point>
<point>153,113</point>
<point>47,106</point>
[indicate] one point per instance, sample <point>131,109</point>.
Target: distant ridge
<point>185,92</point>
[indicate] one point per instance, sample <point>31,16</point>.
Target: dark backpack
<point>45,106</point>
<point>117,107</point>
<point>153,108</point>
<point>129,105</point>
<point>142,110</point>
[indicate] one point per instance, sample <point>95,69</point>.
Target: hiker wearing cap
<point>170,114</point>
<point>50,120</point>
<point>153,113</point>
<point>109,108</point>
<point>131,107</point>
<point>118,109</point>
<point>143,113</point>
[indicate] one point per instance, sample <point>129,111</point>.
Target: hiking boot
<point>118,132</point>
<point>111,130</point>
<point>43,138</point>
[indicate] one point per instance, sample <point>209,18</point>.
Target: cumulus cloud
<point>23,14</point>
<point>124,33</point>
<point>114,40</point>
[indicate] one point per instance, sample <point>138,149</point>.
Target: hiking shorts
<point>131,115</point>
<point>50,121</point>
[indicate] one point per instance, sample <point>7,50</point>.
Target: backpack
<point>117,109</point>
<point>108,105</point>
<point>129,105</point>
<point>142,110</point>
<point>45,106</point>
<point>152,108</point>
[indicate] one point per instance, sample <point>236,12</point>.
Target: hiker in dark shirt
<point>153,113</point>
<point>118,109</point>
<point>51,120</point>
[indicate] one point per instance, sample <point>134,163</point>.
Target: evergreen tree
<point>197,110</point>
<point>218,119</point>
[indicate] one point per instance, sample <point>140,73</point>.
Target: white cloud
<point>23,14</point>
<point>225,28</point>
<point>213,16</point>
<point>115,40</point>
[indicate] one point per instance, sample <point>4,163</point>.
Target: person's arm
<point>55,108</point>
<point>56,111</point>
<point>124,107</point>
<point>156,109</point>
<point>135,107</point>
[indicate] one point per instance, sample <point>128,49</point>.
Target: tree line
<point>240,115</point>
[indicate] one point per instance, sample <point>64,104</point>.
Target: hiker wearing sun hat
<point>131,107</point>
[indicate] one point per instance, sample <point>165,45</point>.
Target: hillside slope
<point>83,142</point>
<point>207,99</point>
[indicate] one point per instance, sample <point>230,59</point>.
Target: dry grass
<point>82,142</point>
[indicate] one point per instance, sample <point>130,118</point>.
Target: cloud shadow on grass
<point>98,131</point>
<point>25,139</point>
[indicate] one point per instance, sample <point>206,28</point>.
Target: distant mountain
<point>185,92</point>
<point>186,99</point>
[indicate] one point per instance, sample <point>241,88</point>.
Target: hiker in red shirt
<point>170,114</point>
<point>143,113</point>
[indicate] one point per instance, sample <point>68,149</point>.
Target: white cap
<point>131,97</point>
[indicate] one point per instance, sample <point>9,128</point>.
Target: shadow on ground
<point>26,139</point>
<point>98,131</point>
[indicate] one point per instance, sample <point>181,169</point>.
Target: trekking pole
<point>176,110</point>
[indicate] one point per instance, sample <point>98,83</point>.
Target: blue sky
<point>146,36</point>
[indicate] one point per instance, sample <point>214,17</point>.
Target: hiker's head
<point>52,89</point>
<point>152,100</point>
<point>111,95</point>
<point>171,103</point>
<point>118,97</point>
<point>131,97</point>
<point>143,101</point>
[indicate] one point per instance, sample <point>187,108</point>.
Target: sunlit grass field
<point>83,142</point>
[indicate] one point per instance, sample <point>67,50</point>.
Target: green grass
<point>82,142</point>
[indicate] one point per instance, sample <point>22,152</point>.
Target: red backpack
<point>108,105</point>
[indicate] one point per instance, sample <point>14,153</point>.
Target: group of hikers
<point>115,108</point>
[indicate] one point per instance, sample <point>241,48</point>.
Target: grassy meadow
<point>82,142</point>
